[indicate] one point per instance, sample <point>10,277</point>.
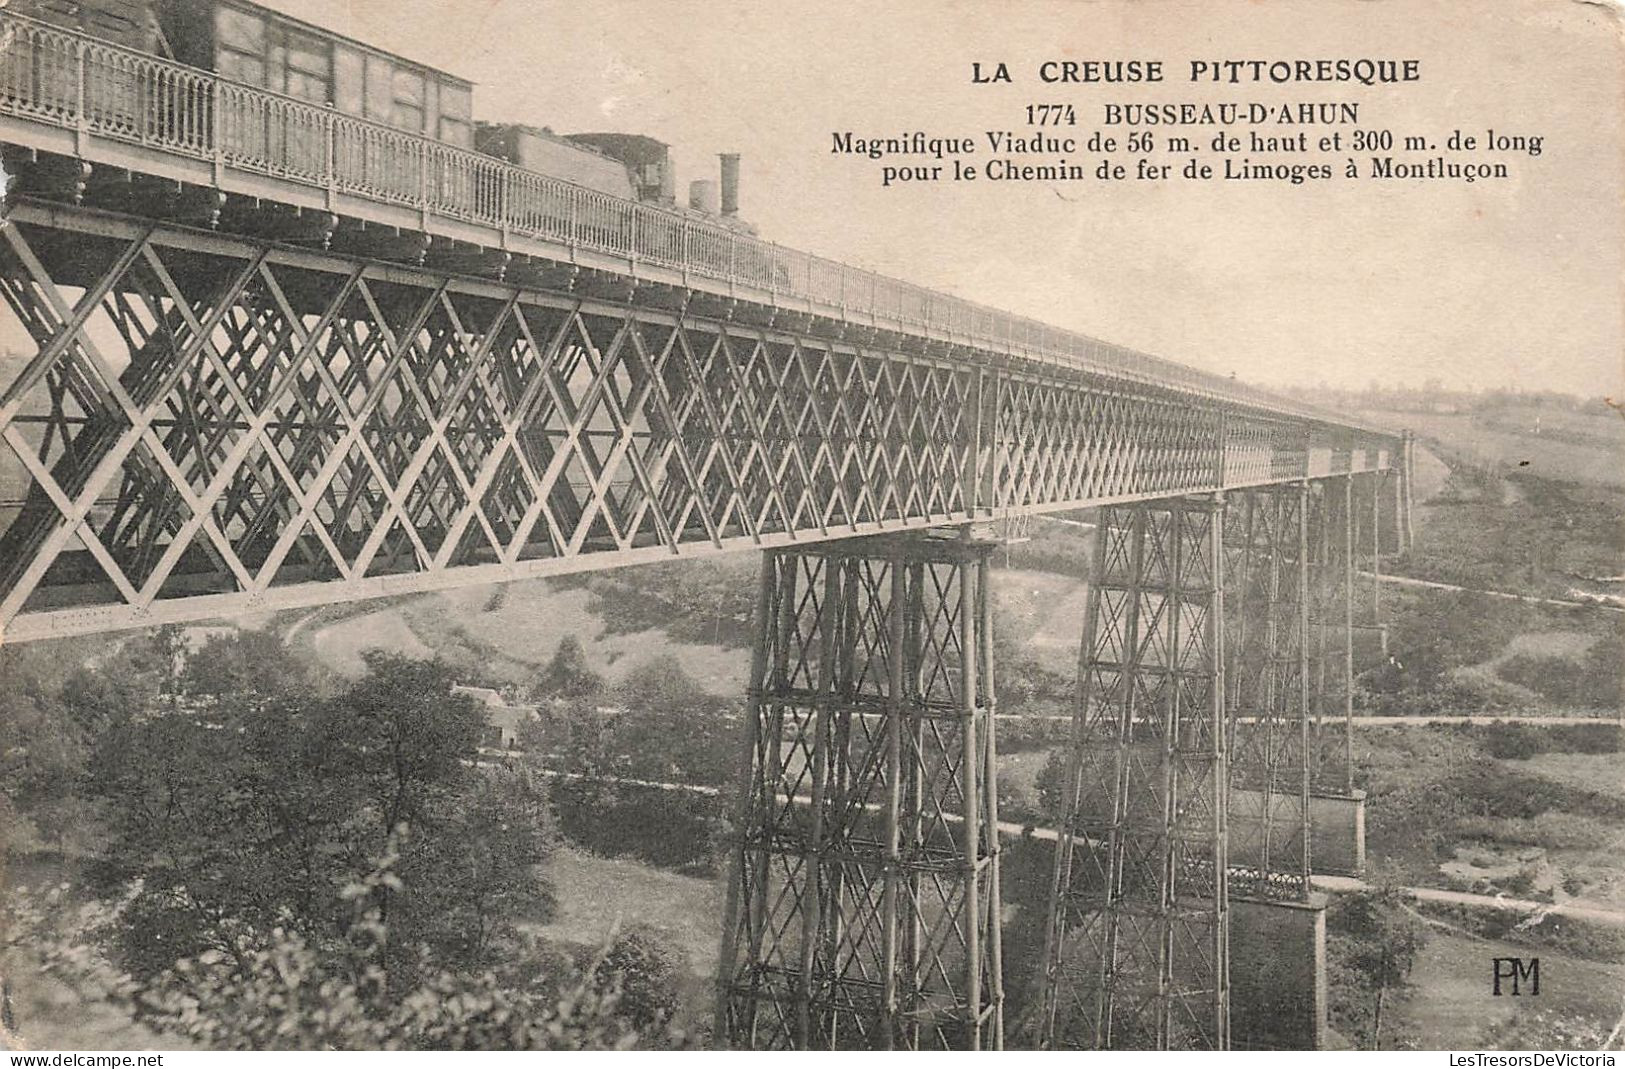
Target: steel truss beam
<point>863,903</point>
<point>1136,952</point>
<point>211,425</point>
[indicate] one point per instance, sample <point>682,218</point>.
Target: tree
<point>290,992</point>
<point>671,729</point>
<point>1378,937</point>
<point>1052,784</point>
<point>640,970</point>
<point>486,864</point>
<point>408,738</point>
<point>42,755</point>
<point>568,675</point>
<point>48,717</point>
<point>242,808</point>
<point>244,666</point>
<point>661,684</point>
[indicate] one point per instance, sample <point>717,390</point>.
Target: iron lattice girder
<point>1136,951</point>
<point>211,425</point>
<point>863,902</point>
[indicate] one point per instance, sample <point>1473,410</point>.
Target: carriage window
<point>408,90</point>
<point>241,40</point>
<point>456,102</point>
<point>456,132</point>
<point>308,68</point>
<point>237,67</point>
<point>240,31</point>
<point>281,58</point>
<point>456,115</point>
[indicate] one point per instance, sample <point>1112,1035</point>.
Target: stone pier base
<point>1278,974</point>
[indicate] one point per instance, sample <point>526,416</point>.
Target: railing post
<point>575,218</point>
<point>330,162</point>
<point>505,202</point>
<point>217,141</point>
<point>80,114</point>
<point>423,185</point>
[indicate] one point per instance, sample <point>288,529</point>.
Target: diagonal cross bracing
<point>1136,946</point>
<point>1270,704</point>
<point>211,424</point>
<point>863,902</point>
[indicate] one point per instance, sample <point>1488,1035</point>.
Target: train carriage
<point>276,95</point>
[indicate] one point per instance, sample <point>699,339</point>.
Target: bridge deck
<point>214,423</point>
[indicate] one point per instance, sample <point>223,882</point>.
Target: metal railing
<point>66,79</point>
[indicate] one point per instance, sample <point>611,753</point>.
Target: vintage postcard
<point>666,526</point>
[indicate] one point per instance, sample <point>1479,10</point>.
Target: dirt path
<point>1502,903</point>
<point>1563,603</point>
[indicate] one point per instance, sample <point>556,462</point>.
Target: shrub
<point>641,971</point>
<point>288,992</point>
<point>1514,741</point>
<point>672,829</point>
<point>1599,738</point>
<point>1592,683</point>
<point>1018,734</point>
<point>1552,830</point>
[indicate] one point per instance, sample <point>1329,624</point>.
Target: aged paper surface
<point>399,401</point>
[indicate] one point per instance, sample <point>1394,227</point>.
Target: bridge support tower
<point>863,904</point>
<point>1211,772</point>
<point>1136,950</point>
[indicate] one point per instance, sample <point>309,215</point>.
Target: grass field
<point>1572,447</point>
<point>508,634</point>
<point>598,896</point>
<point>1043,613</point>
<point>1451,1004</point>
<point>1442,812</point>
<point>509,638</point>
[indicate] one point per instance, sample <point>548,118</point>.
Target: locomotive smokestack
<point>730,182</point>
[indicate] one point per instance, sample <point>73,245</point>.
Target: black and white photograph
<point>667,526</point>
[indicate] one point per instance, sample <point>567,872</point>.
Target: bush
<point>641,972</point>
<point>1497,792</point>
<point>1514,741</point>
<point>673,829</point>
<point>1551,830</point>
<point>1521,740</point>
<point>1597,738</point>
<point>1520,883</point>
<point>1593,683</point>
<point>1390,691</point>
<point>285,991</point>
<point>1019,734</point>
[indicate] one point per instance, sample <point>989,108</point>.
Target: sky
<point>1515,283</point>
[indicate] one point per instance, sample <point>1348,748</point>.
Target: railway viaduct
<point>333,361</point>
